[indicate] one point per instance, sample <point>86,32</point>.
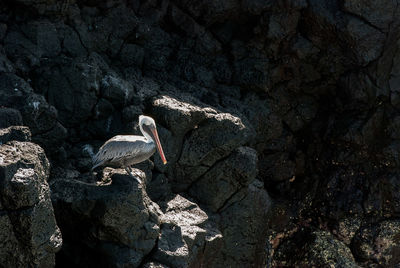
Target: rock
<point>116,90</point>
<point>378,14</point>
<point>159,188</point>
<point>14,90</point>
<point>3,30</point>
<point>378,244</point>
<point>154,265</point>
<point>70,40</point>
<point>252,73</point>
<point>185,234</point>
<point>363,41</point>
<point>213,140</point>
<point>194,125</point>
<point>278,167</point>
<point>43,34</point>
<point>116,220</point>
<point>14,133</point>
<point>29,229</point>
<point>361,89</point>
<point>257,7</point>
<point>22,52</point>
<point>9,117</point>
<point>45,7</point>
<point>226,178</point>
<point>314,247</point>
<point>132,54</point>
<point>310,88</point>
<point>79,77</point>
<point>5,64</point>
<point>179,116</point>
<point>243,227</point>
<point>368,40</point>
<point>41,117</point>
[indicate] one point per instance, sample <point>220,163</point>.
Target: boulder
<point>37,114</point>
<point>378,14</point>
<point>114,219</point>
<point>328,22</point>
<point>29,233</point>
<point>79,77</point>
<point>198,136</point>
<point>10,117</point>
<point>243,227</point>
<point>226,178</point>
<point>378,244</point>
<point>14,133</point>
<point>314,248</point>
<point>186,234</point>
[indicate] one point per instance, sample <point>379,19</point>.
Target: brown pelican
<point>126,150</point>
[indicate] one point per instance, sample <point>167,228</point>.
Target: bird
<point>127,150</point>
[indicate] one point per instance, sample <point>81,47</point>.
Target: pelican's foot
<point>134,175</point>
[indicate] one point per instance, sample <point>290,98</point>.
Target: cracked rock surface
<point>279,120</point>
<point>28,230</point>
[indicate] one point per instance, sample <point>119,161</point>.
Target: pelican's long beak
<point>159,147</point>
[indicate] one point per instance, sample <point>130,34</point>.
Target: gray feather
<point>123,150</point>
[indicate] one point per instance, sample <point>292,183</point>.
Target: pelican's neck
<point>147,136</point>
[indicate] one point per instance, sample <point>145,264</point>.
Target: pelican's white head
<point>149,130</point>
<point>146,120</point>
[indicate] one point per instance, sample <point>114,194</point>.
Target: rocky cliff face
<point>279,119</point>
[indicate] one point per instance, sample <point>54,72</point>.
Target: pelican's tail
<point>96,161</point>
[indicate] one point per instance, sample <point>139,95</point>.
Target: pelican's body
<point>127,150</point>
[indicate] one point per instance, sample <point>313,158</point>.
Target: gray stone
<point>226,178</point>
<point>22,52</point>
<point>252,73</point>
<point>29,228</point>
<point>5,64</point>
<point>378,243</point>
<point>9,117</point>
<point>80,77</point>
<point>325,249</point>
<point>243,227</point>
<point>15,133</point>
<point>159,188</point>
<point>314,248</point>
<point>46,7</point>
<point>380,14</point>
<point>367,40</point>
<point>179,116</point>
<point>214,139</point>
<point>116,90</point>
<point>3,30</point>
<point>122,219</point>
<point>14,90</point>
<point>70,40</point>
<point>154,265</point>
<point>278,167</point>
<point>185,233</point>
<point>132,54</point>
<point>44,35</point>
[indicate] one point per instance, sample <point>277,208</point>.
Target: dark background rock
<point>279,121</point>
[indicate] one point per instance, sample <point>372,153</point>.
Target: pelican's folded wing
<point>117,148</point>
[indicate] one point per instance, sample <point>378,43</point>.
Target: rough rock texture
<point>378,244</point>
<point>116,219</point>
<point>187,235</point>
<point>279,120</point>
<point>314,248</point>
<point>28,231</point>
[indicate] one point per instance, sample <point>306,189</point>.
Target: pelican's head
<point>149,129</point>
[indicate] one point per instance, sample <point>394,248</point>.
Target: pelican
<point>127,150</point>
